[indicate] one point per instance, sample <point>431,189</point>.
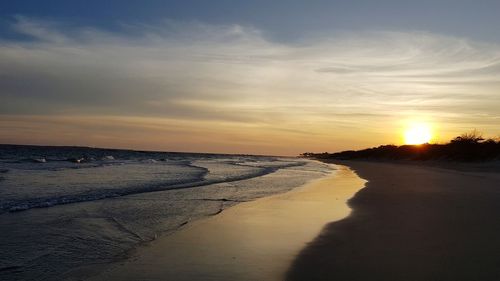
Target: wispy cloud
<point>193,72</point>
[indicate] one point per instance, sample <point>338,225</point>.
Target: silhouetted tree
<point>472,137</point>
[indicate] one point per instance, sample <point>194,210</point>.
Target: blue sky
<point>246,76</point>
<point>281,19</point>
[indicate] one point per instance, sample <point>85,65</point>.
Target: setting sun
<point>418,134</point>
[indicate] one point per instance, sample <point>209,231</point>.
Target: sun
<point>418,134</point>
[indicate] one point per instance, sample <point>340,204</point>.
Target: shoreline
<point>254,240</point>
<point>56,241</point>
<point>411,222</point>
<point>460,166</point>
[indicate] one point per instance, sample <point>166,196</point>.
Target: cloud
<point>189,71</point>
<point>44,31</point>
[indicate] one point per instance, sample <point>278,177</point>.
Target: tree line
<point>467,147</point>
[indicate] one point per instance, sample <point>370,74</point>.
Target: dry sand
<point>252,241</point>
<point>411,223</point>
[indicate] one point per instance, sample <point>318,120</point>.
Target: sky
<point>257,77</point>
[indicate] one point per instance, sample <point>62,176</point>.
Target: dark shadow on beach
<point>410,223</point>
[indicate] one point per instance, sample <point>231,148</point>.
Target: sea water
<point>65,208</point>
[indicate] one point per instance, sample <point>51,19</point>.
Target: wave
<point>200,180</point>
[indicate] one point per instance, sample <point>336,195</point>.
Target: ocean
<point>67,208</point>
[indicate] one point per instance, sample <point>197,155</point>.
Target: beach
<point>249,140</point>
<point>255,240</point>
<point>411,222</point>
<point>248,218</point>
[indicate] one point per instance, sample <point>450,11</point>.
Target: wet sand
<point>412,223</point>
<point>255,240</point>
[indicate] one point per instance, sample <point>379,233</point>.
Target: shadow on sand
<point>410,223</point>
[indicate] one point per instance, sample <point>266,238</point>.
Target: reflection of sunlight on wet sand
<point>251,241</point>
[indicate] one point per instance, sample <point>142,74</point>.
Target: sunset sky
<point>260,77</point>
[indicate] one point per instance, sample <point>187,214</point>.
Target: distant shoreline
<point>492,166</point>
<point>83,147</point>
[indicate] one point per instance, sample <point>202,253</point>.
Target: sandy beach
<point>411,222</point>
<point>194,140</point>
<point>255,240</point>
